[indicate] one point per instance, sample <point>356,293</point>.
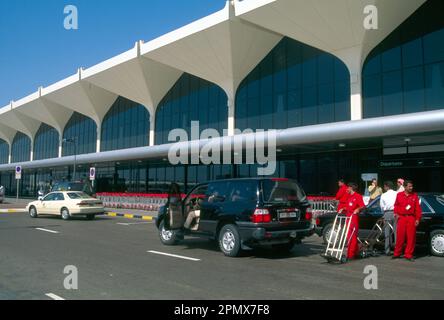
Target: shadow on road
<point>266,252</point>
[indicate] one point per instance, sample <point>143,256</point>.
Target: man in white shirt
<point>387,206</point>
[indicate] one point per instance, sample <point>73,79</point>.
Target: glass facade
<point>126,125</point>
<point>46,143</point>
<point>4,152</point>
<point>317,173</point>
<point>84,132</point>
<point>405,72</point>
<point>295,85</point>
<point>191,99</point>
<point>21,148</point>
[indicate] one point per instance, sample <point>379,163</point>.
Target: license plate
<point>288,215</point>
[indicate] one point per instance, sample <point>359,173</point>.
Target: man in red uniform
<point>342,195</point>
<point>408,212</point>
<point>355,204</point>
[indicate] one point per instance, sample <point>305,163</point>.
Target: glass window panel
<point>414,90</point>
<point>421,41</point>
<point>326,104</point>
<point>342,101</point>
<point>266,112</point>
<point>253,121</point>
<point>391,59</point>
<point>84,130</point>
<point>392,93</point>
<point>326,69</point>
<point>21,148</point>
<point>435,86</point>
<point>341,72</point>
<point>434,46</point>
<point>122,124</point>
<point>294,102</point>
<point>412,53</point>
<point>372,65</point>
<point>295,65</point>
<point>309,106</point>
<point>279,112</point>
<point>309,72</point>
<point>295,77</point>
<point>191,99</point>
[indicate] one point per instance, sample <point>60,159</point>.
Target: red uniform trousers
<point>406,232</point>
<point>352,237</point>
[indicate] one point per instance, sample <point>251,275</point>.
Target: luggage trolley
<point>375,237</point>
<point>338,243</point>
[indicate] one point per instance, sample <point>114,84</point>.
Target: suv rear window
<point>275,191</point>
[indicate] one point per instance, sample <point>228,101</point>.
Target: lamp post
<point>74,142</point>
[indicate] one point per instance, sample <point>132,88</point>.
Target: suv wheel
<point>230,240</point>
<point>437,243</point>
<point>33,212</point>
<point>167,237</point>
<point>327,232</point>
<point>90,217</point>
<point>65,214</point>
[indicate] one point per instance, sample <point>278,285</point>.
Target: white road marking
<point>133,224</point>
<point>54,296</point>
<point>46,230</point>
<point>173,255</point>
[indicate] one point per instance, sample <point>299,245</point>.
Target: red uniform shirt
<point>354,201</point>
<point>342,197</point>
<point>408,205</point>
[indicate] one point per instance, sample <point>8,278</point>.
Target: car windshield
<point>78,195</point>
<point>275,191</point>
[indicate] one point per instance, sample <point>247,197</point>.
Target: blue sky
<point>36,50</point>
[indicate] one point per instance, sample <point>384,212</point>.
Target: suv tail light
<point>309,214</point>
<point>261,216</point>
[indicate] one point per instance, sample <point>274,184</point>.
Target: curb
<point>129,216</point>
<point>12,211</point>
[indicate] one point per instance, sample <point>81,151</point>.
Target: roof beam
<point>332,26</point>
<point>134,77</point>
<point>219,48</point>
<point>84,98</point>
<point>13,119</point>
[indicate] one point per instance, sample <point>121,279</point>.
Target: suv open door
<point>174,206</point>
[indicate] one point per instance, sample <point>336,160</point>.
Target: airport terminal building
<point>345,99</point>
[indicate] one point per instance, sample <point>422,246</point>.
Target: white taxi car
<point>66,204</point>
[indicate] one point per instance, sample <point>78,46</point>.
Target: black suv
<point>239,213</point>
<point>430,231</point>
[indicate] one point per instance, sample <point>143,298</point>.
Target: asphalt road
<point>113,261</point>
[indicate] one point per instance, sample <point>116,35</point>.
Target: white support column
<point>99,138</point>
<point>356,96</point>
<point>231,115</point>
<point>152,133</point>
<point>352,58</point>
<point>10,154</point>
<point>32,151</point>
<point>60,145</point>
